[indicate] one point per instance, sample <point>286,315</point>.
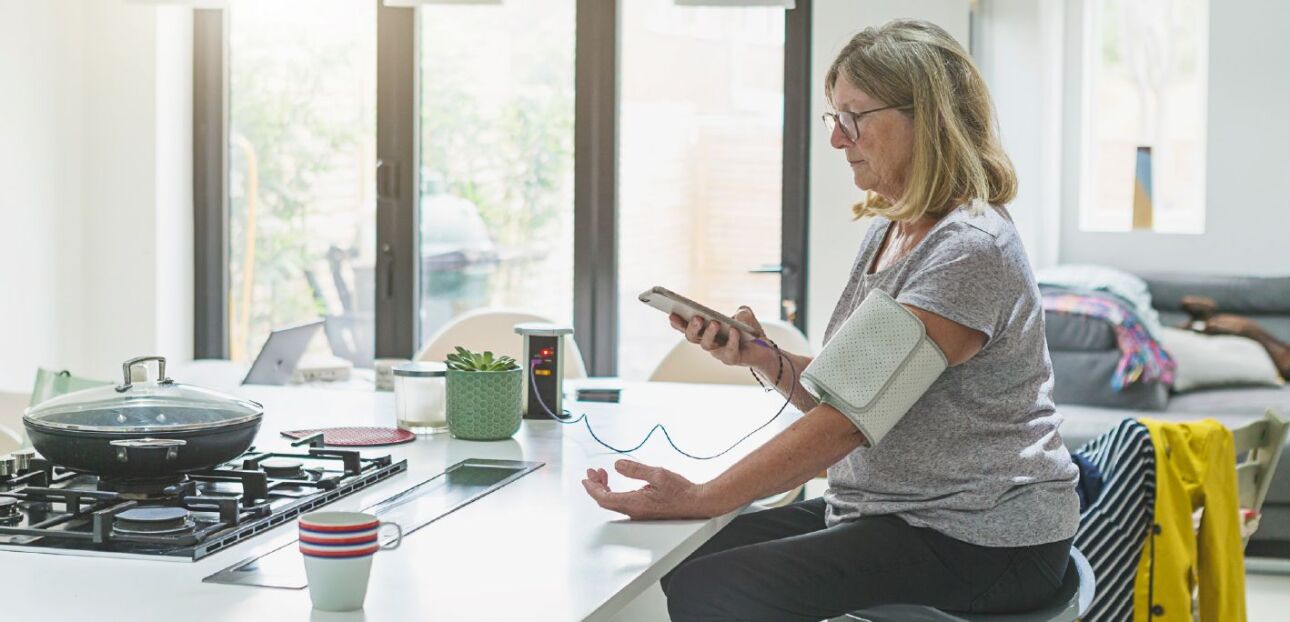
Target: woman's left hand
<point>665,495</point>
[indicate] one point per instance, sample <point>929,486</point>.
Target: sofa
<point>1083,352</point>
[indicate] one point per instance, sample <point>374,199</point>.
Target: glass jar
<point>420,397</point>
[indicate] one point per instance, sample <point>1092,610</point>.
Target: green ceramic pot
<point>484,405</point>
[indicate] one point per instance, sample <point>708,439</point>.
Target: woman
<point>968,503</point>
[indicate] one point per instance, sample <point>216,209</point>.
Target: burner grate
<point>62,511</point>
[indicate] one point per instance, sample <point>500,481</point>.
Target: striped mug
<point>338,549</point>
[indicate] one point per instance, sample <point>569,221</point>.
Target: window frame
<point>210,184</point>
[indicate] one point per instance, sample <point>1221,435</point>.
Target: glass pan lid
<point>160,405</point>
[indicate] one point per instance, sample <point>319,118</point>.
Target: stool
<point>1070,602</point>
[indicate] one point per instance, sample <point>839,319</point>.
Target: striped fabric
<point>1114,527</point>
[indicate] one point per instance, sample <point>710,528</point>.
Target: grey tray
<point>462,484</point>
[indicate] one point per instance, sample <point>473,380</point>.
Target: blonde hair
<point>957,156</point>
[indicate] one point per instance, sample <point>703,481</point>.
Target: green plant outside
<point>512,160</point>
<point>280,123</point>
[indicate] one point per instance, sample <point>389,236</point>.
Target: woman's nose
<point>838,139</point>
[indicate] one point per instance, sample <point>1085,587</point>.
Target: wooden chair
<point>494,330</point>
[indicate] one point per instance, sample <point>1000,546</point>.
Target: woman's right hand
<point>732,351</point>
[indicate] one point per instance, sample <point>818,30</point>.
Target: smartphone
<point>670,302</point>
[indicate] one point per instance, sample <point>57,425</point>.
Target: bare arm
<point>759,358</point>
<point>795,455</point>
<point>768,367</point>
<point>813,443</point>
<point>959,343</point>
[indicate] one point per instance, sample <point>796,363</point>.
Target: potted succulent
<point>485,395</point>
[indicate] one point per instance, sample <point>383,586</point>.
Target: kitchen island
<point>537,549</point>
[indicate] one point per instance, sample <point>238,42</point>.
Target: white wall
<point>39,197</point>
<point>833,237</point>
<point>96,149</point>
<point>1247,209</point>
<point>173,178</point>
<point>138,188</point>
<point>1019,46</point>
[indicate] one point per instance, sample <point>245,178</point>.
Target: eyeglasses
<point>850,120</point>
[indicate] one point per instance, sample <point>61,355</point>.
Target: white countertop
<point>537,549</point>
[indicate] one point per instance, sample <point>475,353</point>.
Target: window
<point>388,168</point>
<point>300,191</point>
<point>497,100</point>
<point>700,163</point>
<point>1144,119</point>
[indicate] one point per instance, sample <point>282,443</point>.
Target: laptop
<point>277,360</point>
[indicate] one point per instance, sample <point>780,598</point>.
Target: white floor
<point>1267,597</point>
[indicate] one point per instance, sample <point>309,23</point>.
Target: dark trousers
<point>783,564</point>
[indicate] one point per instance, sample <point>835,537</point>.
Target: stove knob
<point>8,510</point>
<point>8,466</point>
<point>24,457</point>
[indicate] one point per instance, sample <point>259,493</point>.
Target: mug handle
<point>398,538</point>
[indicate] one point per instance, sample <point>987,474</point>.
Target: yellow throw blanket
<point>1195,468</point>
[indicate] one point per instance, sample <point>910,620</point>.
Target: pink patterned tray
<point>356,436</point>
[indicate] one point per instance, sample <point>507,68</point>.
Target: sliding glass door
<point>701,129</point>
<point>496,131</point>
<point>301,141</point>
<point>388,169</point>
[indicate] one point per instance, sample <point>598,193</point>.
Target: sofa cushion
<point>1085,378</point>
<point>1252,401</point>
<point>1232,294</point>
<point>1075,331</point>
<point>1082,424</point>
<point>1211,361</point>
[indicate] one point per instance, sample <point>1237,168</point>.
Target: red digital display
<point>547,351</point>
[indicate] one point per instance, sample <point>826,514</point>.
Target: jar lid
<point>543,329</point>
<point>421,369</point>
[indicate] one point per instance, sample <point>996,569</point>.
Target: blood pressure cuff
<point>876,366</point>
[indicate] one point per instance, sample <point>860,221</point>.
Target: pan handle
<point>169,445</point>
<point>125,371</point>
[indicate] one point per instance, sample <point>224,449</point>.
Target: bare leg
<point>1225,324</point>
<point>1204,320</point>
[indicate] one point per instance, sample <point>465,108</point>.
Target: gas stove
<point>47,509</point>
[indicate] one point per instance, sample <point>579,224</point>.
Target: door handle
<point>387,263</point>
<point>387,179</point>
<point>773,268</point>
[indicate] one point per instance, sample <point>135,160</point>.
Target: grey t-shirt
<point>978,457</point>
